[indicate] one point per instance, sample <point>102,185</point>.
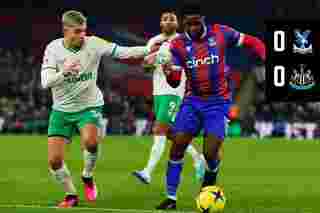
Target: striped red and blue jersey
<point>203,60</point>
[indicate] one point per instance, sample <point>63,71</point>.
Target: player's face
<point>169,23</point>
<point>193,25</point>
<point>75,35</point>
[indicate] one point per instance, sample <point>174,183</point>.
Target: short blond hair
<point>73,18</point>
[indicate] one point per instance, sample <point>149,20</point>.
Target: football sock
<point>89,163</point>
<point>173,178</point>
<point>210,176</point>
<point>157,150</point>
<point>62,176</point>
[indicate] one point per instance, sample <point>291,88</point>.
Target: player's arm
<point>235,38</point>
<point>149,62</point>
<point>170,60</point>
<point>50,76</point>
<point>121,52</point>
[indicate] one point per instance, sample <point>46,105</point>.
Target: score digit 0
<point>279,41</point>
<point>279,81</point>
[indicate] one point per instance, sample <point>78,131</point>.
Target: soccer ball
<point>211,199</point>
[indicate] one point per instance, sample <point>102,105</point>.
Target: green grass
<point>258,176</point>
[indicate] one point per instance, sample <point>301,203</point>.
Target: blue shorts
<point>196,114</point>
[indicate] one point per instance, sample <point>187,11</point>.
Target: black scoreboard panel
<point>293,61</point>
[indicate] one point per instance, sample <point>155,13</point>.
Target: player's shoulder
<point>179,37</point>
<point>96,41</point>
<point>55,44</point>
<point>178,40</point>
<point>98,44</point>
<point>222,27</point>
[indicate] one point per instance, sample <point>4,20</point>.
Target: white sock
<point>89,163</point>
<point>194,154</point>
<point>172,197</point>
<point>63,177</point>
<point>204,160</point>
<point>157,150</point>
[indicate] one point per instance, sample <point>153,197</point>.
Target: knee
<point>215,153</point>
<point>177,153</point>
<point>90,142</point>
<point>220,152</point>
<point>91,146</point>
<point>159,129</point>
<point>155,130</point>
<point>55,162</point>
<point>169,134</point>
<point>178,147</point>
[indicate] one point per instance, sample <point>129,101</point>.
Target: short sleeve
<point>232,36</point>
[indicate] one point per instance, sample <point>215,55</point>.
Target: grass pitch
<point>258,176</point>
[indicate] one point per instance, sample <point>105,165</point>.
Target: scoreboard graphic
<point>293,61</point>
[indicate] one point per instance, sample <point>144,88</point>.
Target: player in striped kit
<point>200,53</point>
<point>69,69</point>
<point>166,102</point>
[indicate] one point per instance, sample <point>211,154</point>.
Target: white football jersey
<point>160,84</point>
<point>76,93</point>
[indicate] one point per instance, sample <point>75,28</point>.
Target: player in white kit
<point>69,69</point>
<point>166,101</point>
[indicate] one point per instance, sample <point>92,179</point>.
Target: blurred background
<point>24,105</point>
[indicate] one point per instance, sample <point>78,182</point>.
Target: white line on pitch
<point>90,209</point>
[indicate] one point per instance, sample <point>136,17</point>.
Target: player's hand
<point>149,62</point>
<point>150,59</point>
<point>71,67</point>
<point>154,48</point>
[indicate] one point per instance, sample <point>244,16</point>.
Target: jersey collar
<point>75,50</point>
<point>170,37</point>
<point>205,31</point>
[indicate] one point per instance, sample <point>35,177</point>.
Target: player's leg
<point>58,133</point>
<point>186,125</point>
<point>199,141</point>
<point>213,154</point>
<point>214,127</point>
<point>199,162</point>
<point>89,123</point>
<point>164,107</point>
<point>159,143</point>
<point>168,112</point>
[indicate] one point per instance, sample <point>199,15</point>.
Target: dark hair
<point>168,10</point>
<point>191,9</point>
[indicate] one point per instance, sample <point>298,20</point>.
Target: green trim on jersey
<point>166,108</point>
<point>114,51</point>
<point>65,123</point>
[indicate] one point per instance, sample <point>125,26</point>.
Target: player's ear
<point>64,29</point>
